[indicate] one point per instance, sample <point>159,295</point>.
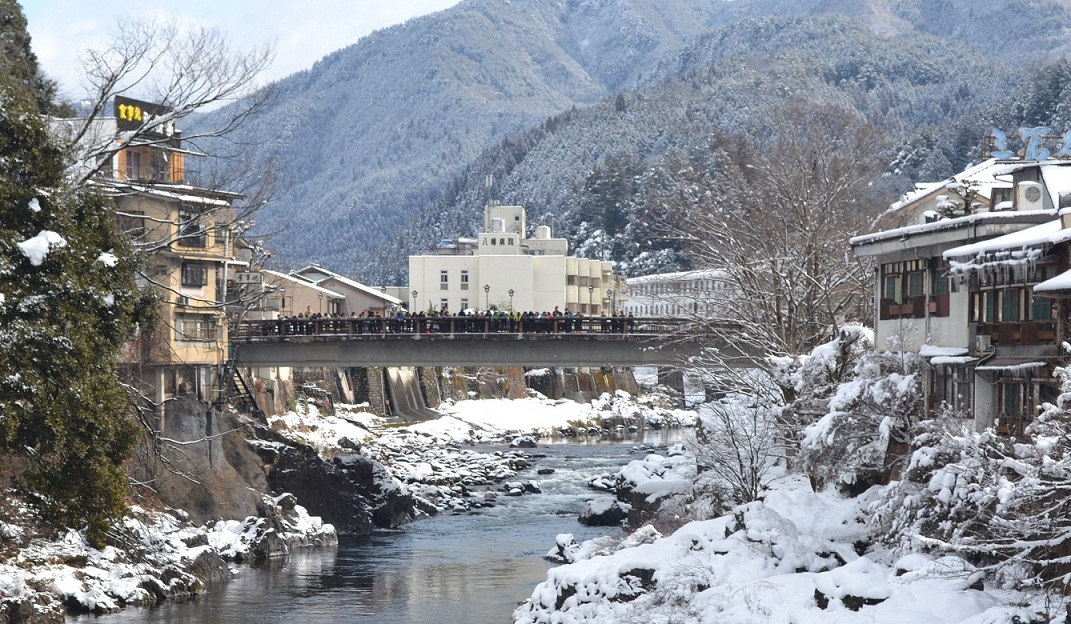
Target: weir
<point>406,400</point>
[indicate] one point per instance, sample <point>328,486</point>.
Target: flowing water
<point>471,569</point>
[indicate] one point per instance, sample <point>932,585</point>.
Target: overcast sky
<point>303,32</point>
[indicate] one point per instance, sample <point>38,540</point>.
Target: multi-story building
<point>503,269</point>
<point>970,287</point>
<point>192,248</point>
<point>687,293</point>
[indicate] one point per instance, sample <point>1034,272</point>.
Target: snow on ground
<point>158,550</point>
<point>790,559</point>
<point>488,420</point>
<point>425,457</point>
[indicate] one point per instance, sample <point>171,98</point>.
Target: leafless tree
<point>182,70</point>
<point>775,214</point>
<point>738,450</point>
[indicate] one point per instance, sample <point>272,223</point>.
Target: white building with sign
<point>503,269</point>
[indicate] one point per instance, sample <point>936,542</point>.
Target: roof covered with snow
<point>309,273</point>
<point>950,224</point>
<point>293,279</point>
<point>678,276</point>
<point>1060,283</point>
<point>983,175</point>
<point>176,192</point>
<point>1049,233</point>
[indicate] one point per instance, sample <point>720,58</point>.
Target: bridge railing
<point>274,329</point>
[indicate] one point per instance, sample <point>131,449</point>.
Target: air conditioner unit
<point>983,343</point>
<point>1029,196</point>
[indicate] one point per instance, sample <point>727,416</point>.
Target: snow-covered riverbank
<point>795,557</point>
<point>159,555</point>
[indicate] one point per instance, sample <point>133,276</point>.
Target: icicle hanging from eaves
<point>1010,258</point>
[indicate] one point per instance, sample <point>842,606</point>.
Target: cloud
<point>303,33</point>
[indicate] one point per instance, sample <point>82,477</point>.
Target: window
<point>194,274</point>
<point>1009,304</point>
<point>444,280</point>
<point>990,307</point>
<point>1011,408</point>
<point>192,232</point>
<point>953,386</point>
<point>940,282</point>
<point>1040,308</point>
<point>903,280</point>
<point>444,304</point>
<point>464,280</point>
<point>195,328</point>
<point>161,170</point>
<point>133,165</point>
<point>464,304</point>
<point>132,224</point>
<point>903,287</point>
<point>914,284</point>
<point>1000,196</point>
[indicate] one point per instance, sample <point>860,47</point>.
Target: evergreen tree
<point>67,304</point>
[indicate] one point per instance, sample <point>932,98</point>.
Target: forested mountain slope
<point>391,127</point>
<point>589,173</point>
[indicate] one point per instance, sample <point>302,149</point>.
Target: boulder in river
<point>604,512</point>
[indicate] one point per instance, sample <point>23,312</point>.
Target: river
<point>471,569</point>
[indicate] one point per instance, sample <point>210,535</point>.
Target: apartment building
<point>193,254</point>
<point>503,269</point>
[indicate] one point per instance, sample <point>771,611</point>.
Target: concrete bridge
<point>476,341</point>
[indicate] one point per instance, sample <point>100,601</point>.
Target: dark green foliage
<point>62,323</point>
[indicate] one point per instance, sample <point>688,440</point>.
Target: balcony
<point>1023,333</point>
<point>915,307</point>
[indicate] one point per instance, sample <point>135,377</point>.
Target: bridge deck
<point>468,341</point>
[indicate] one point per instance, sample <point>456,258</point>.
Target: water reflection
<point>468,568</point>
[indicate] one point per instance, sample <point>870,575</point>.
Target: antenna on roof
<point>489,183</point>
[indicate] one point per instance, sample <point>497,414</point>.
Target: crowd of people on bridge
<point>488,321</point>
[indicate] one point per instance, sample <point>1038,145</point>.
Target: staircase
<point>237,390</point>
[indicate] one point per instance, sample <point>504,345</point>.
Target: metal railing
<point>276,329</point>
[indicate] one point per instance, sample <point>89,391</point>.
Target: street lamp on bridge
<point>591,291</point>
<point>413,306</point>
<point>613,301</point>
<point>486,297</point>
<point>511,300</point>
<point>320,296</point>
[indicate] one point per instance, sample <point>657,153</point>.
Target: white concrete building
<point>501,268</point>
<point>685,293</point>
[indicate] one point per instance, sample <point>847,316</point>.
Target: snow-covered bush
<point>738,450</point>
<point>1001,503</point>
<point>869,416</point>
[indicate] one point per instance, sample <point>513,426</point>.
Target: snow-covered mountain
<point>376,133</point>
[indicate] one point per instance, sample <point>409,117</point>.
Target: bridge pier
<point>672,378</point>
<point>370,386</point>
